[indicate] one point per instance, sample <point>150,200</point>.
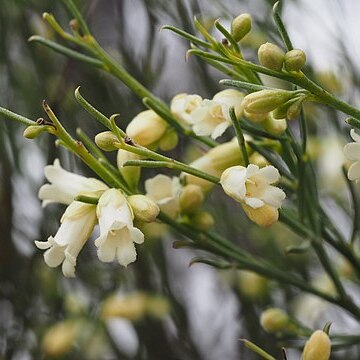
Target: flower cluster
<point>207,117</point>
<point>251,187</point>
<point>113,213</point>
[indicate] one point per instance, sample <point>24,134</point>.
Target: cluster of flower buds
<point>274,58</point>
<point>274,106</point>
<point>114,212</point>
<point>175,199</point>
<point>207,117</point>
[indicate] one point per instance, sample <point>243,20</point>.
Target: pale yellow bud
<point>106,140</point>
<point>59,339</point>
<point>318,347</point>
<point>256,118</point>
<point>131,174</point>
<point>264,101</point>
<point>258,160</point>
<point>214,162</point>
<point>263,216</point>
<point>169,140</point>
<point>294,60</point>
<point>275,126</point>
<point>131,307</point>
<point>271,56</point>
<point>191,197</point>
<point>146,128</point>
<point>144,208</point>
<point>202,220</point>
<point>252,285</point>
<point>274,320</point>
<point>241,26</point>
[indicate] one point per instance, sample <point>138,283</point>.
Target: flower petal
<point>355,135</point>
<point>254,202</point>
<point>352,151</point>
<point>273,196</point>
<point>270,173</point>
<point>126,252</point>
<point>354,171</point>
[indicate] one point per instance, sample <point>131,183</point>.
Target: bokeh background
<point>196,312</point>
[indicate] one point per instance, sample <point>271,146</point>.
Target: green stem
<point>281,27</point>
<point>356,212</point>
<point>326,263</point>
<point>16,117</point>
<point>239,136</point>
<point>170,164</point>
<point>66,51</point>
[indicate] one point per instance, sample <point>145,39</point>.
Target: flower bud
<point>59,339</point>
<point>33,131</point>
<point>202,220</point>
<point>274,320</point>
<point>294,109</point>
<point>191,197</point>
<point>241,26</point>
<point>256,118</point>
<point>131,174</point>
<point>275,126</point>
<point>264,216</point>
<point>144,208</point>
<point>318,347</point>
<point>271,56</point>
<point>106,140</point>
<point>258,160</point>
<point>146,128</point>
<point>169,140</point>
<point>214,162</point>
<point>294,60</point>
<point>264,101</point>
<point>131,307</point>
<point>252,285</point>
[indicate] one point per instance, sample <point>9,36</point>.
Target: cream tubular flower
<point>252,188</point>
<point>117,233</point>
<point>212,116</point>
<point>165,191</point>
<point>77,224</point>
<point>65,186</point>
<point>182,105</point>
<point>352,153</point>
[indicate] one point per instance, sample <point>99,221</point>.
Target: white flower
<point>65,186</point>
<point>252,188</point>
<point>352,153</point>
<point>212,116</point>
<point>182,105</point>
<point>165,191</point>
<point>117,233</point>
<point>77,224</point>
